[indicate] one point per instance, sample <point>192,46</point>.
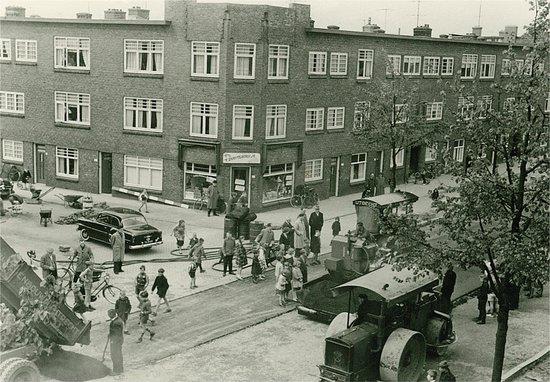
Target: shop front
<point>200,164</point>
<point>241,169</point>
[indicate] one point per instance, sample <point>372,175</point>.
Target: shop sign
<point>241,158</point>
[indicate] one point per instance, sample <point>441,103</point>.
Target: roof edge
<point>85,21</point>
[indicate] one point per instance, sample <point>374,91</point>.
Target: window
<point>205,59</point>
<point>528,67</point>
<point>358,167</point>
<point>275,125</point>
<point>547,104</point>
<point>278,182</point>
<point>317,63</point>
<point>469,66</point>
<point>506,67</point>
<point>339,64</point>
<point>5,49</point>
<point>204,119</point>
<point>245,61</point>
<point>466,107</point>
<point>484,106</point>
<point>431,66</point>
<point>66,162</point>
<point>11,102</point>
<point>365,59</point>
<point>517,67</point>
<point>243,121</point>
<point>313,170</point>
<point>144,56</point>
<point>434,111</point>
<point>12,150</point>
<point>72,108</point>
<point>198,178</point>
<point>430,154</point>
<point>447,66</point>
<point>411,65</point>
<point>315,119</point>
<point>278,61</point>
<point>399,158</point>
<point>488,63</point>
<point>143,172</point>
<point>72,52</point>
<point>335,117</point>
<point>143,114</point>
<point>393,66</point>
<point>26,50</point>
<point>361,115</point>
<point>458,150</point>
<point>508,104</point>
<point>400,113</point>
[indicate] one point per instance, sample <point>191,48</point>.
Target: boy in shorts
<point>144,312</point>
<point>142,280</point>
<point>192,274</point>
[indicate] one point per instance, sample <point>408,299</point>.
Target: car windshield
<point>133,221</point>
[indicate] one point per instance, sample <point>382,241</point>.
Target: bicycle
<point>304,198</point>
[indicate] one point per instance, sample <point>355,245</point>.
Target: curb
<point>514,372</point>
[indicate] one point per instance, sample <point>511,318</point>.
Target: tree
<point>392,118</point>
<point>496,216</point>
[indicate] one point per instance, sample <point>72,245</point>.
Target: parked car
<point>137,232</point>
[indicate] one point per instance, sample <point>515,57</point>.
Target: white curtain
<point>131,61</point>
<point>60,57</point>
<point>198,61</point>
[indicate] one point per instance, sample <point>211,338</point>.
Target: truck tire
<point>403,356</point>
<point>18,370</point>
<point>438,330</point>
<point>339,323</point>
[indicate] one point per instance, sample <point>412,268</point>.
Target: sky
<point>395,16</point>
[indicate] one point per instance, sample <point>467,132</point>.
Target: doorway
<point>40,165</point>
<point>240,181</point>
<point>374,165</point>
<point>106,173</point>
<point>334,175</point>
<point>414,165</point>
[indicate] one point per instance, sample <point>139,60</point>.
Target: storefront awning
<point>198,152</point>
<point>283,152</point>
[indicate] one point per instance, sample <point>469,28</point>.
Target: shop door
<point>106,173</point>
<point>334,175</point>
<point>240,181</point>
<point>40,164</point>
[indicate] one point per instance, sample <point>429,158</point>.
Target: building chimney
<point>423,31</point>
<point>477,31</point>
<point>138,13</point>
<point>333,27</point>
<point>115,14</point>
<point>372,28</point>
<point>15,11</point>
<point>83,15</point>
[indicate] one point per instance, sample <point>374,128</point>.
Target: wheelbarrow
<point>71,200</point>
<point>45,216</point>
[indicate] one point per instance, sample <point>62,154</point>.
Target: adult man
<point>306,222</point>
<point>118,244</point>
<point>265,238</point>
<point>197,253</point>
<point>228,252</point>
<point>213,196</point>
<point>288,237</point>
<point>316,221</point>
<point>380,184</point>
<point>362,310</point>
<point>370,187</point>
<point>82,254</point>
<point>48,264</point>
<point>445,374</point>
<point>116,339</point>
<point>300,236</point>
<point>231,203</point>
<point>86,277</point>
<point>482,295</point>
<point>447,289</point>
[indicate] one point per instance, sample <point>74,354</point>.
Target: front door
<point>374,165</point>
<point>240,181</point>
<point>40,164</point>
<point>106,173</point>
<point>415,159</point>
<point>334,175</point>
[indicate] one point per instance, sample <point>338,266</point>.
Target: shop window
<point>25,50</point>
<point>358,167</point>
<point>11,102</point>
<point>198,178</point>
<point>278,182</point>
<point>66,163</point>
<point>204,119</point>
<point>72,53</point>
<point>144,56</point>
<point>72,108</point>
<point>143,172</point>
<point>12,150</point>
<point>278,61</point>
<point>338,64</point>
<point>206,59</point>
<point>243,121</point>
<point>143,114</point>
<point>313,170</point>
<point>245,61</point>
<point>275,121</point>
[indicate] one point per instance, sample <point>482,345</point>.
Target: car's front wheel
<point>84,235</point>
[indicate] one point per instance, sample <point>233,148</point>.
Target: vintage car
<point>137,232</point>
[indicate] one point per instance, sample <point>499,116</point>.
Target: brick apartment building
<point>251,95</point>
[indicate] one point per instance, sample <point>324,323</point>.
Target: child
<point>297,279</point>
<point>194,240</point>
<point>192,269</point>
<point>256,268</point>
<point>280,287</point>
<point>142,280</point>
<point>144,312</point>
<point>287,274</point>
<point>79,305</point>
<point>315,246</point>
<point>197,253</point>
<point>123,308</point>
<point>336,228</point>
<point>242,260</point>
<point>161,285</point>
<point>143,197</point>
<point>491,304</point>
<point>179,234</point>
<point>432,375</point>
<point>263,262</point>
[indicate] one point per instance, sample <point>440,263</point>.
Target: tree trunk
<point>393,169</point>
<point>500,341</point>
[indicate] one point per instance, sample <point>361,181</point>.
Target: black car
<point>137,232</point>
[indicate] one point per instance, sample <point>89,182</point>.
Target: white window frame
<point>430,154</point>
<point>245,112</point>
<point>66,154</point>
<point>484,106</point>
<point>278,54</point>
<point>547,104</point>
<point>17,100</point>
<point>359,117</point>
<point>205,49</point>
<point>143,163</point>
<point>365,57</point>
<point>207,110</point>
<point>468,66</point>
<point>242,50</point>
<point>528,67</point>
<point>189,170</point>
<point>466,107</point>
<point>275,112</point>
<point>147,105</point>
<point>315,166</point>
<point>12,150</point>
<point>338,64</point>
<point>447,66</point>
<point>26,50</point>
<point>315,119</point>
<point>79,44</point>
<point>358,162</point>
<point>508,103</point>
<point>488,64</point>
<point>434,111</point>
<point>399,158</point>
<point>288,171</point>
<point>412,65</point>
<point>431,66</point>
<point>393,65</point>
<point>147,47</point>
<point>517,66</point>
<point>506,67</point>
<point>401,111</point>
<point>336,117</point>
<point>458,150</point>
<point>65,99</point>
<point>317,63</point>
<point>5,44</point>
